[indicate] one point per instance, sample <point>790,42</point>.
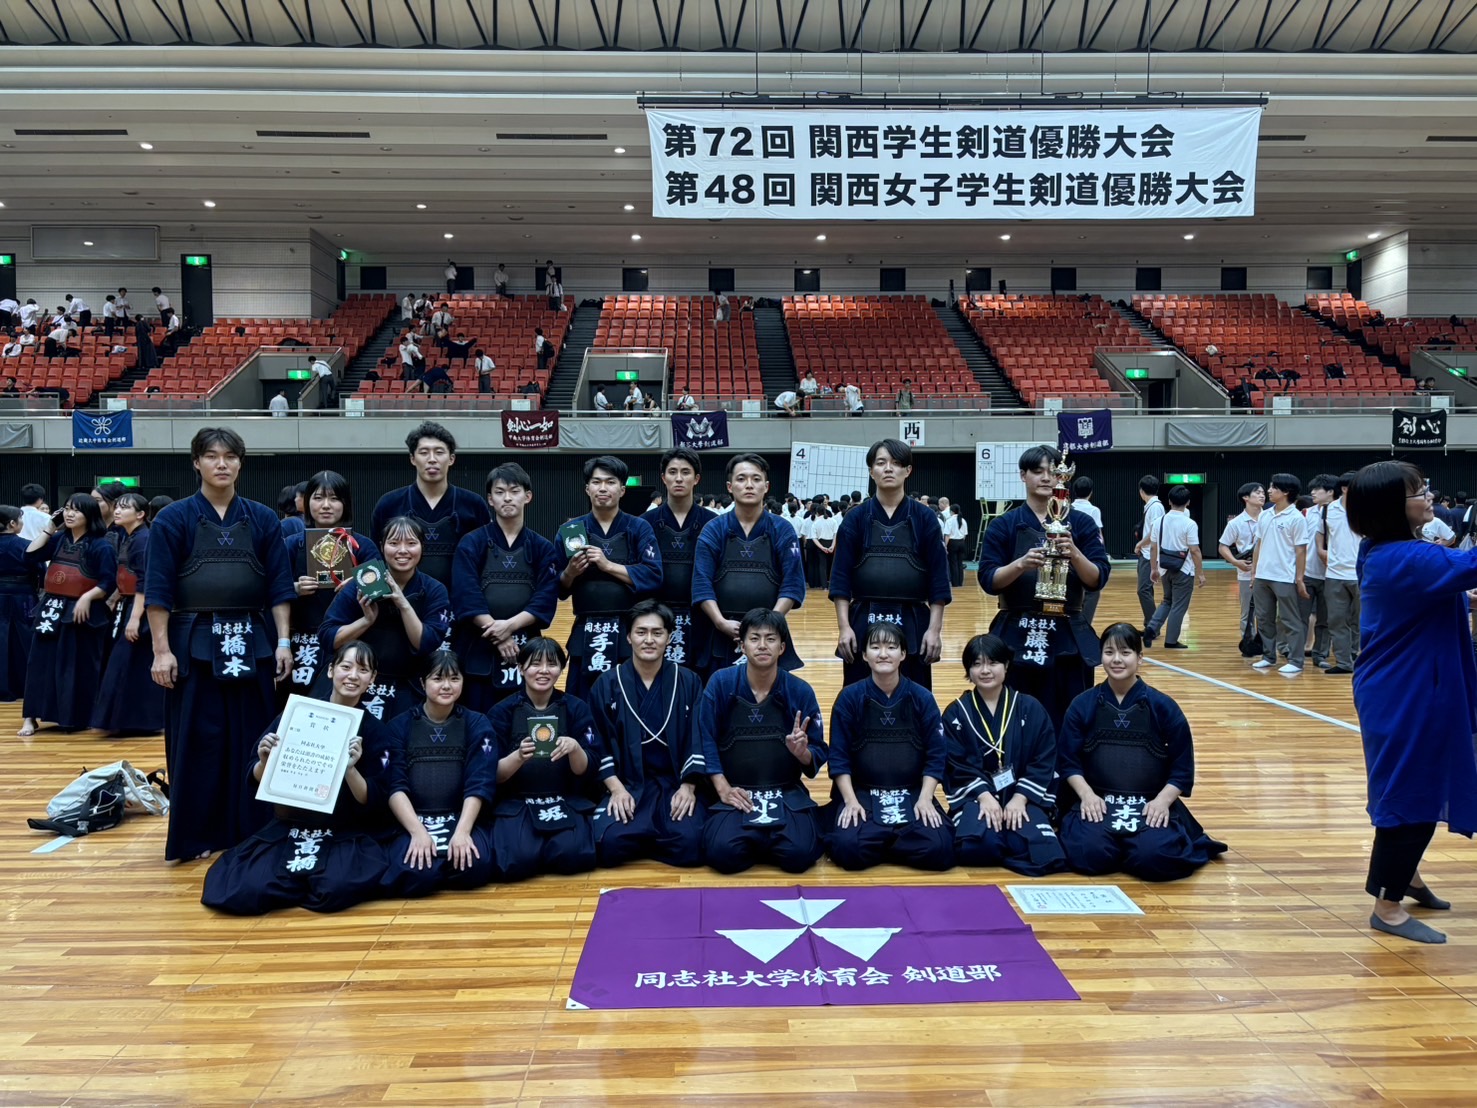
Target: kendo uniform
<point>678,548</point>
<point>219,579</point>
<point>1054,654</point>
<point>492,578</point>
<point>745,742</point>
<point>459,512</point>
<point>400,665</point>
<point>438,766</point>
<point>128,699</point>
<point>541,823</point>
<point>646,739</point>
<point>888,744</point>
<point>1127,753</point>
<point>1005,752</point>
<point>66,659</point>
<point>891,570</point>
<point>308,657</point>
<point>324,862</point>
<point>742,572</point>
<point>597,640</point>
<point>18,577</point>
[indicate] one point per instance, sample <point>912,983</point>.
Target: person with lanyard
<point>1339,548</point>
<point>1127,755</point>
<point>1002,756</point>
<point>69,638</point>
<point>1054,656</point>
<point>1322,488</point>
<point>649,758</point>
<point>505,588</point>
<point>438,774</point>
<point>329,505</point>
<point>678,524</point>
<point>887,756</point>
<point>18,577</point>
<point>321,861</point>
<point>404,628</point>
<point>890,566</point>
<point>613,564</point>
<point>748,558</point>
<point>546,745</point>
<point>761,735</point>
<point>1153,512</point>
<point>1238,541</point>
<point>217,575</point>
<point>445,511</point>
<point>127,700</point>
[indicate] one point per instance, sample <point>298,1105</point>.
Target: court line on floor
<point>1354,727</point>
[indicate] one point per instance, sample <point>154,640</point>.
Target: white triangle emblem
<point>859,942</point>
<point>805,911</point>
<point>765,944</point>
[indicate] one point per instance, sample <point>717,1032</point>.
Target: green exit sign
<point>627,375</point>
<point>299,374</point>
<point>343,255</point>
<point>1136,374</point>
<point>633,482</point>
<point>1184,478</point>
<point>127,482</point>
<point>197,260</point>
<point>7,259</point>
<point>1352,256</point>
<point>1457,370</point>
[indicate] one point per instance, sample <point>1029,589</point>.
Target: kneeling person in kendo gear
<point>1002,768</point>
<point>440,774</point>
<point>325,862</point>
<point>761,733</point>
<point>544,741</point>
<point>887,759</point>
<point>1126,752</point>
<point>644,710</point>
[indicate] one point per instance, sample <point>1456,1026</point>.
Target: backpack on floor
<point>140,794</point>
<point>99,810</point>
<point>1251,643</point>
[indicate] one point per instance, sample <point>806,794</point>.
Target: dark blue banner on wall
<point>103,431</point>
<point>1085,432</point>
<point>708,431</point>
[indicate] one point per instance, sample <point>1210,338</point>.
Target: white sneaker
<point>1290,669</point>
<point>1262,663</point>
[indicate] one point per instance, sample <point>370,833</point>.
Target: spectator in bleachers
<point>412,363</point>
<point>60,319</point>
<point>808,388</point>
<point>110,315</point>
<point>57,342</point>
<point>601,401</point>
<point>650,405</point>
<point>441,321</point>
<point>484,365</point>
<point>460,348</point>
<point>450,275</point>
<point>327,382</point>
<point>122,306</point>
<point>143,337</point>
<point>854,405</point>
<point>436,380</point>
<point>788,402</point>
<point>500,282</point>
<point>174,336</point>
<point>634,399</point>
<point>1426,385</point>
<point>422,306</point>
<point>543,348</point>
<point>10,390</point>
<point>556,295</point>
<point>905,397</point>
<point>686,402</point>
<point>278,405</point>
<point>9,312</point>
<point>550,273</point>
<point>78,312</point>
<point>407,307</point>
<point>162,303</point>
<point>29,313</point>
<point>723,310</point>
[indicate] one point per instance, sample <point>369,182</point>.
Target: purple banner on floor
<point>775,947</point>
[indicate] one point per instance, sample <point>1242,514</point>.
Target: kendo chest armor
<point>506,580</point>
<point>678,549</point>
<point>540,776</point>
<point>127,571</point>
<point>438,547</point>
<point>435,761</point>
<point>394,656</point>
<point>222,573</point>
<point>746,577</point>
<point>887,752</point>
<point>65,575</point>
<point>1020,594</point>
<point>753,749</point>
<point>891,566</point>
<point>597,592</point>
<point>1123,753</point>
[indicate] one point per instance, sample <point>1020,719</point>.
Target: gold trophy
<point>1051,579</point>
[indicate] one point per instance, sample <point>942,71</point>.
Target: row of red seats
<point>1046,345</point>
<point>702,353</point>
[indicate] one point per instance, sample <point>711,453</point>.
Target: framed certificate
<point>307,767</point>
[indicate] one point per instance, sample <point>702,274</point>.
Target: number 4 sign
<point>910,431</point>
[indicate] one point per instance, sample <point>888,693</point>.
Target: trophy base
<point>1054,607</point>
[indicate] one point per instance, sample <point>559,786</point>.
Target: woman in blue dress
<point>128,700</point>
<point>17,599</point>
<point>1415,689</point>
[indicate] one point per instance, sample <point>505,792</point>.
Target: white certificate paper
<point>306,768</point>
<point>1073,900</point>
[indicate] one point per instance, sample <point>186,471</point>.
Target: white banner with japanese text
<point>1166,163</point>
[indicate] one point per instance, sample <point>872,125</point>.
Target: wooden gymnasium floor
<point>1254,982</point>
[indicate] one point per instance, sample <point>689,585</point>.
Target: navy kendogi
<point>1007,753</point>
<point>324,862</point>
<point>219,578</point>
<point>18,580</point>
<point>741,572</point>
<point>458,513</point>
<point>438,766</point>
<point>542,820</point>
<point>677,544</point>
<point>1054,655</point>
<point>66,659</point>
<point>647,741</point>
<point>745,741</point>
<point>1127,752</point>
<point>308,612</point>
<point>492,577</point>
<point>401,664</point>
<point>128,699</point>
<point>887,743</point>
<point>891,569</point>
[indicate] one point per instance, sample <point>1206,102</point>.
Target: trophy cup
<point>1051,579</point>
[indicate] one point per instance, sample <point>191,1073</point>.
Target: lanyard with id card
<point>1003,777</point>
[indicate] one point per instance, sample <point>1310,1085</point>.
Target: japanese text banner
<point>1180,163</point>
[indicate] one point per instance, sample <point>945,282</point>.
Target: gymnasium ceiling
<point>513,151</point>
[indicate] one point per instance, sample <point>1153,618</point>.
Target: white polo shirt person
<point>1177,534</point>
<point>1278,585</point>
<point>1341,587</point>
<point>1153,512</point>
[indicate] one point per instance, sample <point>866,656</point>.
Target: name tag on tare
<point>1003,780</point>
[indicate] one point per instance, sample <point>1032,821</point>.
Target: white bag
<point>139,795</point>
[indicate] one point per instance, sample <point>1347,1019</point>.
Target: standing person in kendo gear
<point>747,558</point>
<point>761,732</point>
<point>887,755</point>
<point>650,758</point>
<point>446,512</point>
<point>1126,754</point>
<point>546,790</point>
<point>678,523</point>
<point>1001,780</point>
<point>618,564</point>
<point>505,589</point>
<point>128,700</point>
<point>890,565</point>
<point>218,585</point>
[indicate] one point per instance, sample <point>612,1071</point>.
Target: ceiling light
<point>209,203</point>
<point>448,235</point>
<point>86,242</point>
<point>420,207</point>
<point>1372,235</point>
<point>146,146</point>
<point>1188,237</point>
<point>620,149</point>
<point>806,272</point>
<point>820,238</point>
<point>1004,238</point>
<point>630,207</point>
<point>2,203</point>
<point>635,238</point>
<point>528,236</point>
